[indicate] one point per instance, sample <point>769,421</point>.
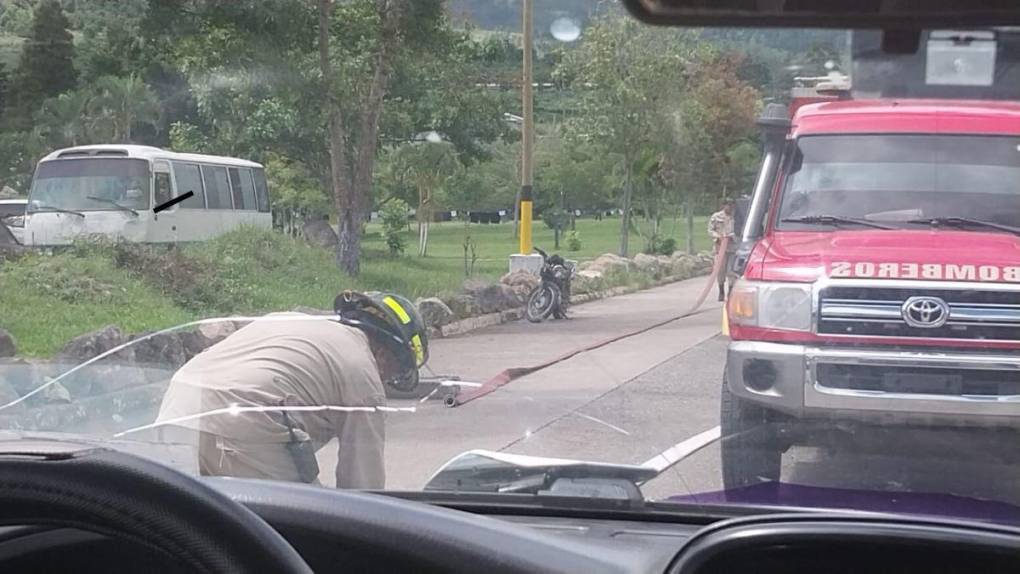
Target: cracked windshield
<point>503,247</point>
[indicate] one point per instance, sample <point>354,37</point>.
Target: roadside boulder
<point>434,312</point>
<point>112,378</point>
<point>610,263</point>
<point>491,297</point>
<point>587,281</point>
<point>319,233</point>
<point>8,394</point>
<point>521,282</point>
<point>7,346</point>
<point>164,350</point>
<point>645,262</point>
<point>55,393</point>
<point>463,306</point>
<point>89,345</point>
<point>682,265</point>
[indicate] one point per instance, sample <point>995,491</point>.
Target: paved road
<point>634,401</point>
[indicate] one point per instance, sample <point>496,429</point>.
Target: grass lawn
<point>495,243</point>
<point>49,299</point>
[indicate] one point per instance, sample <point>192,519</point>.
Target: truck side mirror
<point>741,207</point>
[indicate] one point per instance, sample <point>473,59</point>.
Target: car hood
<point>805,256</point>
<point>916,503</point>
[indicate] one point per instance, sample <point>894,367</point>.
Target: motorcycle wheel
<point>541,302</point>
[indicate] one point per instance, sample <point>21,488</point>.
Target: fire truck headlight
<point>771,305</point>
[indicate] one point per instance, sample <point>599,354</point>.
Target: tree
<point>45,68</point>
<point>62,120</point>
<point>4,88</point>
<point>626,75</point>
<point>427,166</point>
<point>716,114</point>
<point>118,105</point>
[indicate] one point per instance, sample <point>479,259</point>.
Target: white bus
<point>112,190</point>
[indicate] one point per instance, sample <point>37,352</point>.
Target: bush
<point>658,245</point>
<point>574,241</point>
<point>394,220</point>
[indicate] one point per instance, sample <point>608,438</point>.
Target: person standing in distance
<point>720,227</point>
<point>233,393</point>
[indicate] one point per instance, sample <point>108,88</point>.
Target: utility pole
<point>528,135</point>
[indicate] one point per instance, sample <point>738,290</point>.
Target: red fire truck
<point>879,281</point>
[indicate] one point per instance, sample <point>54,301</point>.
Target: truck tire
<point>750,451</point>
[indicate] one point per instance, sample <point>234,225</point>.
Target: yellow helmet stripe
<point>398,309</point>
<point>419,353</point>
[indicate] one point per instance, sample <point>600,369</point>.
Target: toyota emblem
<point>925,312</point>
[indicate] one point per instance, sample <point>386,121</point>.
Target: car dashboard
<point>336,531</point>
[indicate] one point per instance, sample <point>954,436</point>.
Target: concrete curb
<point>488,320</point>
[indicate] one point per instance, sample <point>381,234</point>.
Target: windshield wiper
<point>966,222</point>
<point>835,220</point>
<point>113,203</point>
<point>42,207</point>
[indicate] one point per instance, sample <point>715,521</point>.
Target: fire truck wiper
<point>835,220</point>
<point>966,222</point>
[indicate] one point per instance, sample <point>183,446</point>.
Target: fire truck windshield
<point>901,178</point>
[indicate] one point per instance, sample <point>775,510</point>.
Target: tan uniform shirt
<point>293,359</point>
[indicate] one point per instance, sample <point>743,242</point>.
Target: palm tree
<point>118,104</point>
<point>62,119</point>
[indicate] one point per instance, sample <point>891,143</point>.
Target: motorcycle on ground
<point>552,295</point>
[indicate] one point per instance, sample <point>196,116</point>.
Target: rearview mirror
<point>884,14</point>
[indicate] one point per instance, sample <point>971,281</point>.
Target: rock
<point>610,263</point>
<point>7,346</point>
<point>114,378</point>
<point>165,350</point>
<point>216,332</point>
<point>521,283</point>
<point>647,264</point>
<point>434,312</point>
<point>9,394</point>
<point>312,311</point>
<point>587,281</point>
<point>491,297</point>
<point>682,266</point>
<point>463,306</point>
<point>320,233</point>
<point>89,345</point>
<point>55,393</point>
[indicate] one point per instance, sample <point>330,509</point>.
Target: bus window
<point>247,188</point>
<point>241,187</point>
<point>189,178</point>
<point>217,188</point>
<point>162,188</point>
<point>91,184</point>
<point>261,189</point>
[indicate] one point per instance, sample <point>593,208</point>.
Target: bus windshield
<point>94,184</point>
<point>895,178</point>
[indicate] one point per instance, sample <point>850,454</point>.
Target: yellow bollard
<point>725,322</point>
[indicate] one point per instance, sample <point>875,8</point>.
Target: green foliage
<point>658,245</point>
<point>50,299</point>
<point>574,241</point>
<point>394,221</point>
<point>556,218</point>
<point>45,68</point>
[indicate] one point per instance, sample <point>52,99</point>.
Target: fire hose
<point>507,375</point>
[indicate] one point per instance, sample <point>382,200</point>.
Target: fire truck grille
<point>928,313</point>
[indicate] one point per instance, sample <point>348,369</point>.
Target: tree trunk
<point>625,220</point>
<point>351,173</point>
<point>690,225</point>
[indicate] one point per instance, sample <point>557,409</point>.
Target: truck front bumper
<point>860,383</point>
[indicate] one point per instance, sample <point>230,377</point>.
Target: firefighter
<point>232,392</point>
<point>720,227</point>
